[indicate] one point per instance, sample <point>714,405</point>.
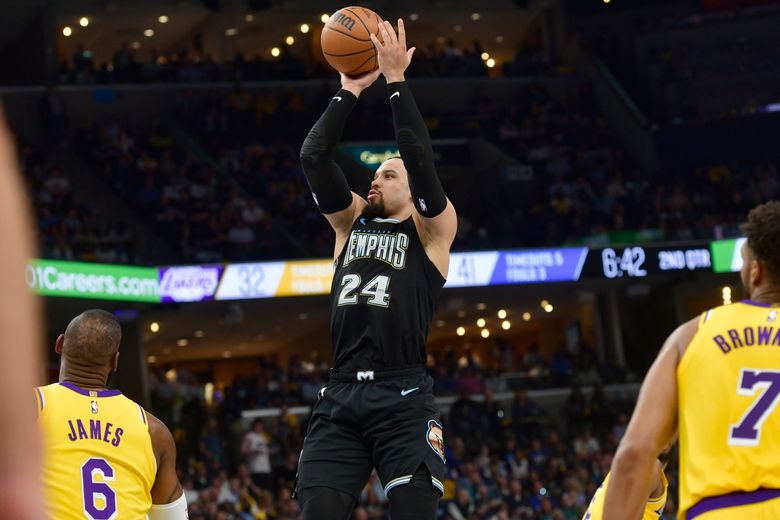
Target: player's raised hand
<point>392,55</point>
<point>357,84</point>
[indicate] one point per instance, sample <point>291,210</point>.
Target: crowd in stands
<point>221,179</point>
<point>443,58</point>
<point>507,456</point>
<point>68,226</point>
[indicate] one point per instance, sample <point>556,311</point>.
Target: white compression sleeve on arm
<point>176,510</point>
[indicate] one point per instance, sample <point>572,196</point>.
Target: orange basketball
<point>346,41</point>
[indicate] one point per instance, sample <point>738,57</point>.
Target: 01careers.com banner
<point>98,281</point>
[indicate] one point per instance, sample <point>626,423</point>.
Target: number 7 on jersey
<point>747,432</point>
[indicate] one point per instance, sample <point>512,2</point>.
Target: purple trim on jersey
<point>79,390</point>
<point>740,498</point>
<point>40,397</point>
<point>143,415</point>
<point>757,304</point>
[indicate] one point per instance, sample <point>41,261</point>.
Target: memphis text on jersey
<point>385,246</point>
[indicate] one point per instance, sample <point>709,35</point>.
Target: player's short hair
<point>93,337</point>
<point>762,230</point>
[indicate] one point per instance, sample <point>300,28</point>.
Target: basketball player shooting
<point>391,259</point>
<point>717,380</point>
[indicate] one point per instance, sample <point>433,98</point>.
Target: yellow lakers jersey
<point>729,389</point>
<point>653,509</point>
<point>98,457</point>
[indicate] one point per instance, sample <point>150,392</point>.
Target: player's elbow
<point>312,153</point>
<point>631,453</point>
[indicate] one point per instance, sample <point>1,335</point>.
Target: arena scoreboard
<point>244,281</point>
<point>641,261</point>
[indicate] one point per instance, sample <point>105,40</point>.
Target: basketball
<point>346,41</point>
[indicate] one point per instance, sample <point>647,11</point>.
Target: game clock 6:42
<point>628,262</point>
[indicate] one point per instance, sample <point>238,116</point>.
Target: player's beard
<point>374,209</point>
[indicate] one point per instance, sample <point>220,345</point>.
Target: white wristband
<point>176,510</point>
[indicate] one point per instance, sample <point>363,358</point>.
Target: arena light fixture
<point>149,33</point>
<point>135,45</point>
<point>249,18</point>
<point>414,17</point>
<point>151,359</point>
<point>460,331</point>
<point>475,16</point>
<point>526,316</point>
<point>485,56</point>
<point>162,18</point>
<point>506,324</point>
<point>440,323</point>
<point>67,31</point>
<point>548,308</point>
<point>198,333</point>
<point>481,322</point>
<point>543,303</point>
<point>183,342</point>
<point>289,40</point>
<point>481,306</point>
<point>275,52</point>
<point>231,31</point>
<point>457,28</point>
<point>324,17</point>
<point>499,39</point>
<point>485,333</point>
<point>501,314</point>
<point>490,63</point>
<point>154,326</point>
<point>461,314</point>
<point>305,28</point>
<point>83,21</point>
<point>227,354</point>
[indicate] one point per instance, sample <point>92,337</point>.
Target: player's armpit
<point>653,425</point>
<point>166,488</point>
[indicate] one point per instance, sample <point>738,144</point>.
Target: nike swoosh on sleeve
<point>394,94</point>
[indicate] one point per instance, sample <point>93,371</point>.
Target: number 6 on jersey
<point>375,289</point>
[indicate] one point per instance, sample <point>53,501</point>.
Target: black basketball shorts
<point>365,420</point>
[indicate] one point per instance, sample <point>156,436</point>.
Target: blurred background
<point>601,155</point>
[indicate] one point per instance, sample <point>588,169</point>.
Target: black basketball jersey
<point>383,295</point>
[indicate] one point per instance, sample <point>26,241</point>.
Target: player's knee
<point>417,500</point>
<point>324,503</point>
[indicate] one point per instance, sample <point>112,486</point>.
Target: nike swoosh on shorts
<point>404,393</point>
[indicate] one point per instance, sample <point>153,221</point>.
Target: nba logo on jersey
<point>94,407</point>
<point>423,206</point>
<point>772,316</point>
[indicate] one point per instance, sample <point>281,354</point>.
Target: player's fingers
<point>383,34</point>
<point>410,53</point>
<point>391,33</point>
<point>401,33</point>
<point>376,41</point>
